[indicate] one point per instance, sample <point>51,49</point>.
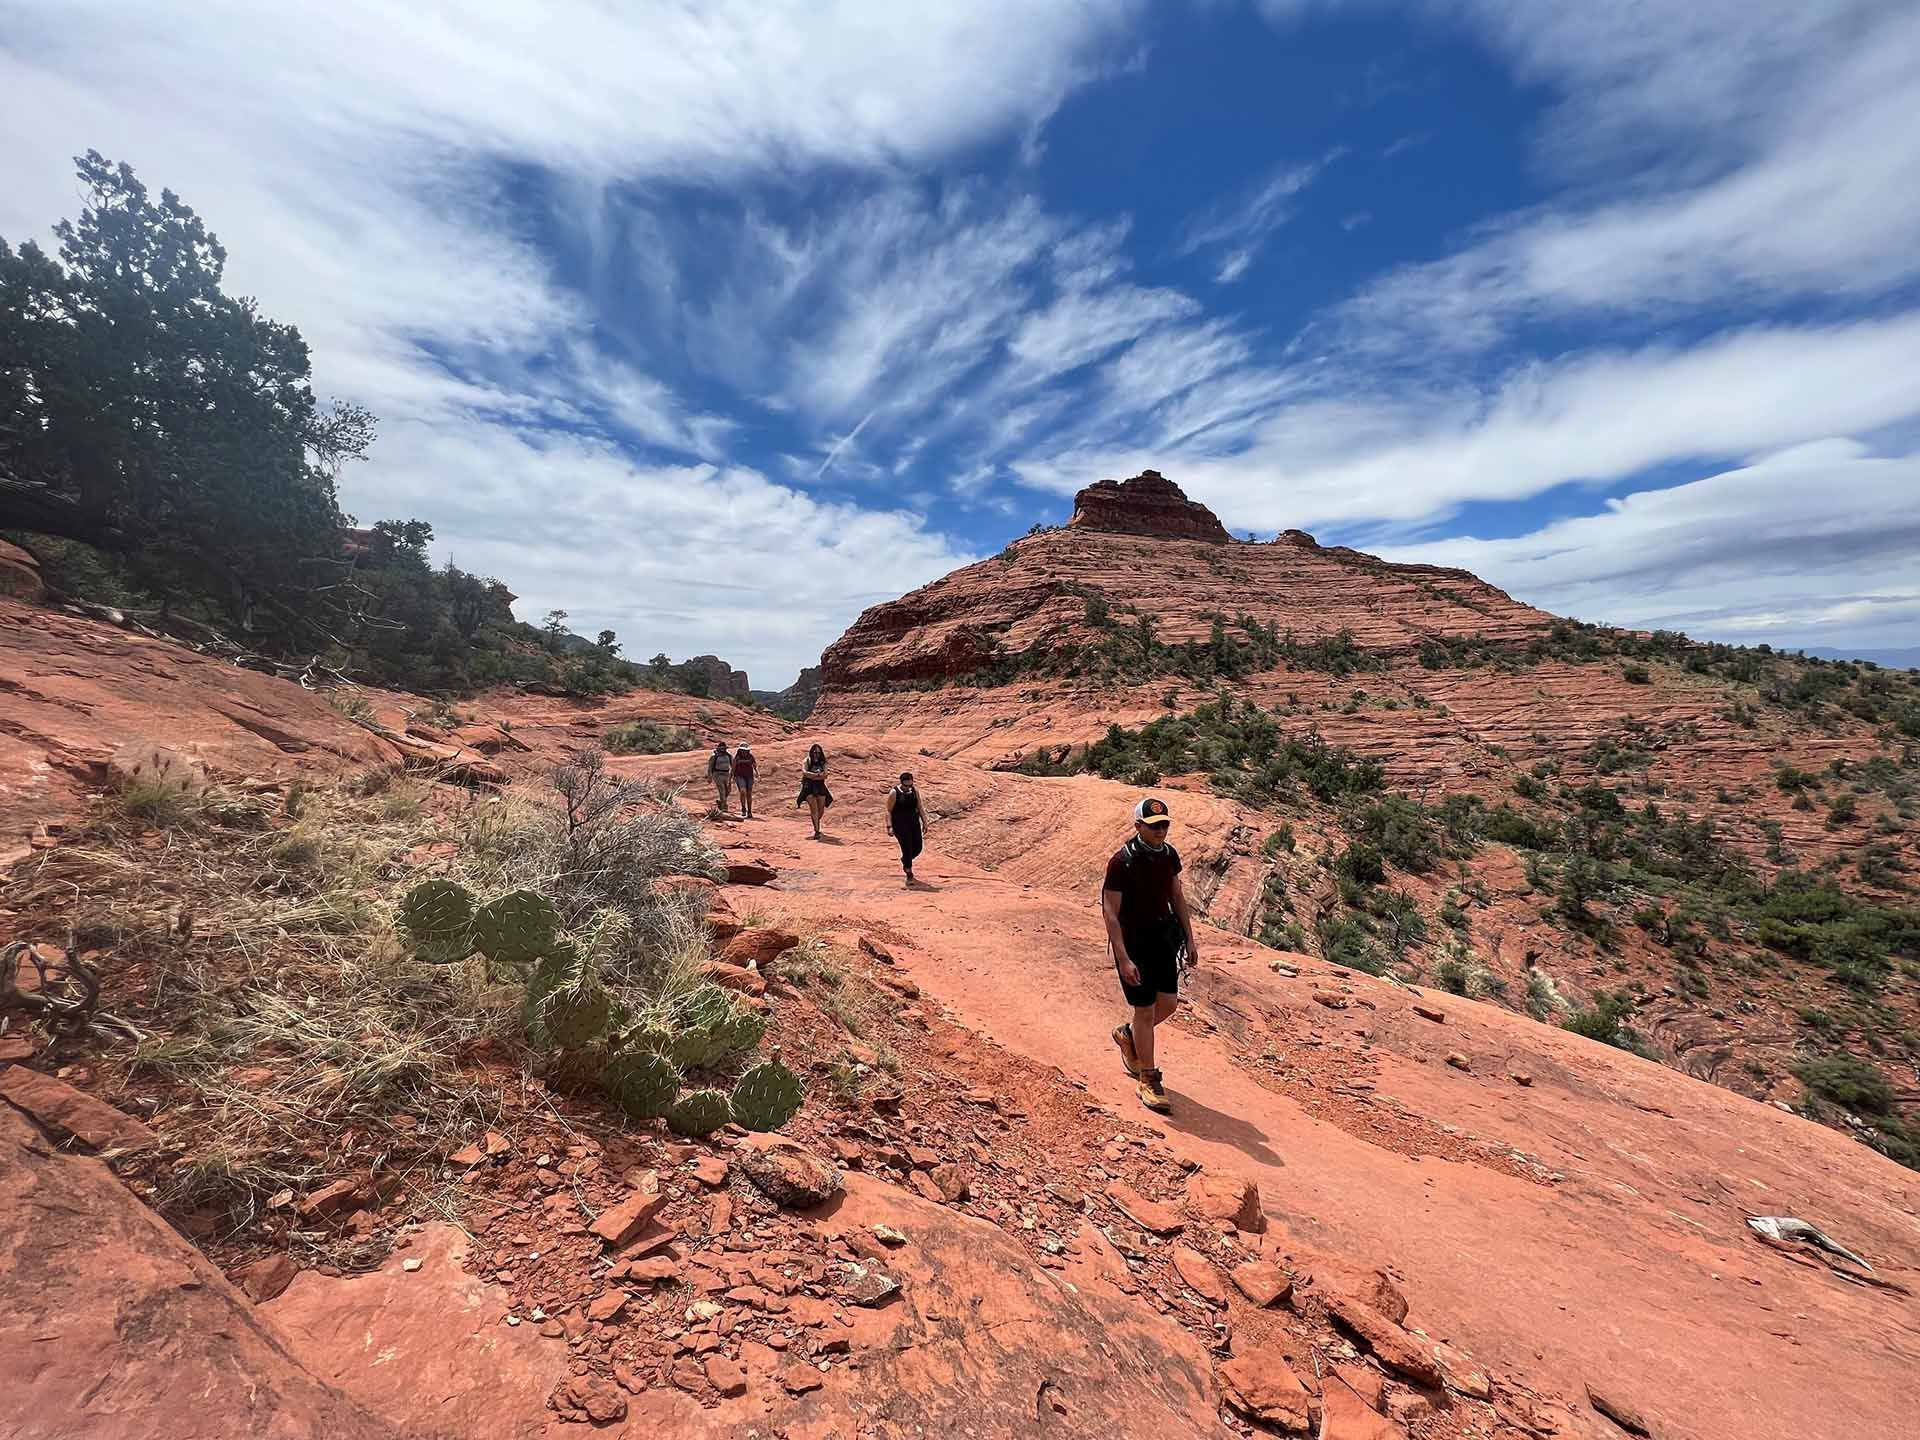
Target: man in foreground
<point>1149,928</point>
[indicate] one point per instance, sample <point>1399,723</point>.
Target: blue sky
<point>716,323</point>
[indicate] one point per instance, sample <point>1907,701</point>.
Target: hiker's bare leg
<point>1163,1008</point>
<point>1143,1035</point>
<point>817,807</point>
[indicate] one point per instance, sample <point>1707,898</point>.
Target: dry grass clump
<point>294,1035</point>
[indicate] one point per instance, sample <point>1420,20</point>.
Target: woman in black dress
<point>906,821</point>
<point>813,787</point>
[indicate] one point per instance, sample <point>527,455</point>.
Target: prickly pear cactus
<point>648,1039</point>
<point>438,916</point>
<point>517,929</point>
<point>643,1085</point>
<point>694,1049</point>
<point>576,1012</point>
<point>739,1032</point>
<point>767,1096</point>
<point>700,1112</point>
<point>701,1007</point>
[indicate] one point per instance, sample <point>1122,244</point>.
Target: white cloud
<point>1774,158</point>
<point>1815,545</point>
<point>1236,232</point>
<point>692,558</point>
<point>1409,455</point>
<point>359,160</point>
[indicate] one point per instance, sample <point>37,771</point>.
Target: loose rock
<point>789,1175</point>
<point>1261,1384</point>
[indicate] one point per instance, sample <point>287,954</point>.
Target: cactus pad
<point>517,929</point>
<point>576,1013</point>
<point>739,1032</point>
<point>438,916</point>
<point>694,1049</point>
<point>700,1007</point>
<point>767,1096</point>
<point>642,1085</point>
<point>700,1113</point>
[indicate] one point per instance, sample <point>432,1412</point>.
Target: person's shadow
<point>1203,1122</point>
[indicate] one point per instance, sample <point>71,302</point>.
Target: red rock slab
<point>1262,1282</point>
<point>1400,1352</point>
<point>749,872</point>
<point>1258,1382</point>
<point>426,1350</point>
<point>86,689</point>
<point>979,1330</point>
<point>1344,1415</point>
<point>116,1326</point>
<point>1199,1273</point>
<point>1147,1214</point>
<point>622,1223</point>
<point>70,1114</point>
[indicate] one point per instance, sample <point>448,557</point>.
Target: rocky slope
<point>1749,763</point>
<point>1377,1212</point>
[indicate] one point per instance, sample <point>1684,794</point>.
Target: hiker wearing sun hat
<point>1149,929</point>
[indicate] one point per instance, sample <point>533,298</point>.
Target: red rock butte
<point>1148,504</point>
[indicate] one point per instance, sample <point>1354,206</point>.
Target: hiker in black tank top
<point>906,821</point>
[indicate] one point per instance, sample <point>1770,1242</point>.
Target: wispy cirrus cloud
<point>1233,234</point>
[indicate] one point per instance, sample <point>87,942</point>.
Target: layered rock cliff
<point>1148,504</point>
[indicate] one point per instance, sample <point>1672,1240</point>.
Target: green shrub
<point>649,737</point>
<point>1847,1081</point>
<point>1361,863</point>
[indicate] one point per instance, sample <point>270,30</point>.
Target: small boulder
<point>1430,1012</point>
<point>1346,1415</point>
<point>20,575</point>
<point>608,1306</point>
<point>751,872</point>
<point>332,1202</point>
<point>874,950</point>
<point>790,1175</point>
<point>622,1223</point>
<point>1261,1385</point>
<point>1624,1414</point>
<point>952,1183</point>
<point>1218,1195</point>
<point>1400,1352</point>
<point>733,977</point>
<point>1147,1214</point>
<point>758,947</point>
<point>1459,1061</point>
<point>1262,1282</point>
<point>1199,1274</point>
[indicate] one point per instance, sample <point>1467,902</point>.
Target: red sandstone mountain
<point>1454,687</point>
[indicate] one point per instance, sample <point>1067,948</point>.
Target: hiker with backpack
<point>1150,931</point>
<point>720,771</point>
<point>906,821</point>
<point>813,787</point>
<point>745,770</point>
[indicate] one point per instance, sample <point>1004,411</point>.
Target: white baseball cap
<point>1152,811</point>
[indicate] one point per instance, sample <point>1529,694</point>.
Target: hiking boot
<point>1123,1037</point>
<point>1153,1094</point>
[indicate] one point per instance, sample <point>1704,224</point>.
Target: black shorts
<point>1159,968</point>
